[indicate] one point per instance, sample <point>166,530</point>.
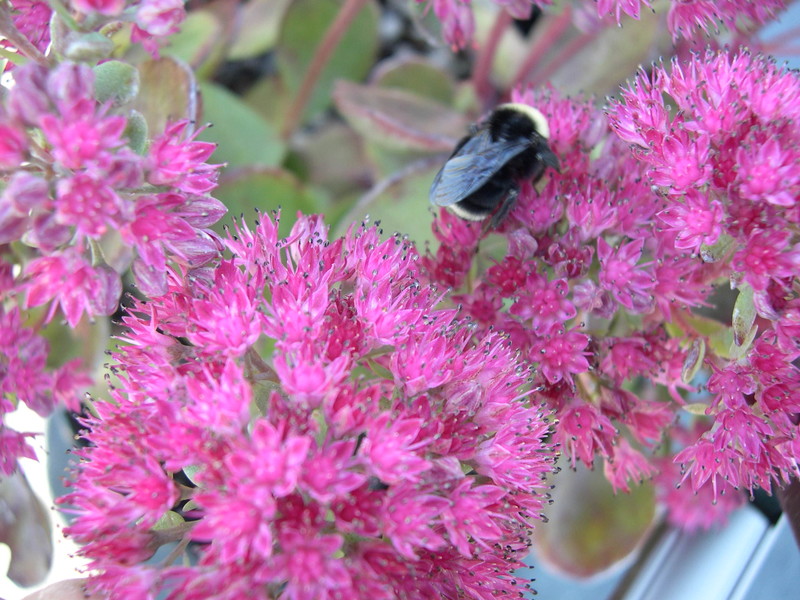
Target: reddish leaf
<point>399,119</point>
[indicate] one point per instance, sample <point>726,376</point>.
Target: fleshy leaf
<point>269,189</point>
<point>589,528</point>
<point>25,529</point>
<point>694,360</point>
<point>243,137</point>
<point>169,520</point>
<point>417,76</point>
<point>398,119</point>
<point>167,93</point>
<point>115,81</point>
<point>739,351</point>
<point>304,26</point>
<point>696,408</point>
<point>260,26</point>
<point>718,251</point>
<point>744,314</point>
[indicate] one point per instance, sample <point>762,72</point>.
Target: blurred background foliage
<point>360,126</point>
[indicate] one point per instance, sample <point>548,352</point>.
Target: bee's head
<point>517,119</point>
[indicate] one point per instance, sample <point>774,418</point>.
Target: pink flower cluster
<point>25,377</point>
<point>602,276</point>
<point>686,19</point>
<point>152,20</point>
<point>74,185</point>
<point>76,198</point>
<point>312,426</point>
<point>728,162</point>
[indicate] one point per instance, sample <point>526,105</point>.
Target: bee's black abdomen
<point>526,165</point>
<point>485,199</point>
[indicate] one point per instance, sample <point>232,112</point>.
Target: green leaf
<point>243,137</point>
<point>199,33</point>
<point>331,157</point>
<point>115,81</point>
<point>744,314</point>
<point>590,528</point>
<point>721,342</point>
<point>167,93</point>
<point>268,189</point>
<point>398,119</point>
<point>260,26</point>
<point>191,472</point>
<point>168,520</point>
<point>415,75</point>
<point>696,408</point>
<point>304,26</point>
<point>136,132</point>
<point>694,360</point>
<point>739,351</point>
<point>401,206</point>
<point>719,250</point>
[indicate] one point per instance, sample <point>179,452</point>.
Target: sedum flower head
<point>607,263</point>
<point>74,184</point>
<point>314,427</point>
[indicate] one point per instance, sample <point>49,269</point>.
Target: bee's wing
<point>471,166</point>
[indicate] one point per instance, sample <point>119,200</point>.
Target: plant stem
<point>552,31</point>
<point>483,66</point>
<point>9,31</point>
<point>574,46</point>
<point>321,57</point>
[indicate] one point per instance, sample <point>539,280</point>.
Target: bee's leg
<point>506,206</point>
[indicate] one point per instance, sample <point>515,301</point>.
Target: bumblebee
<point>482,175</point>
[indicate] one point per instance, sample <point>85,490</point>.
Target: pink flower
<point>458,23</point>
<point>686,18</point>
<point>629,7</point>
<point>160,17</point>
<point>391,450</point>
<point>694,510</point>
<point>88,205</point>
<point>544,303</point>
<point>584,432</point>
<point>32,19</point>
<point>85,184</point>
<point>696,221</point>
<point>13,146</point>
<point>13,445</point>
<point>770,174</point>
<point>73,284</point>
<point>621,275</point>
<point>767,255</point>
<point>311,459</point>
<point>177,159</point>
<point>463,518</point>
<point>626,464</point>
<point>561,355</point>
<point>109,8</point>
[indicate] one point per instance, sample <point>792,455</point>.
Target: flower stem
<point>483,66</point>
<point>9,31</point>
<point>552,31</point>
<point>63,12</point>
<point>569,51</point>
<point>318,62</point>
